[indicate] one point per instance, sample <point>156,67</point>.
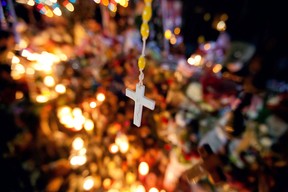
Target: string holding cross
<point>138,95</point>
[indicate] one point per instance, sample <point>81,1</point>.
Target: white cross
<point>140,101</point>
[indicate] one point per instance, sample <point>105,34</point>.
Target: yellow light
<point>173,40</point>
<point>217,68</point>
<point>100,97</point>
<point>49,81</point>
<point>41,99</point>
<point>125,190</point>
<point>69,6</point>
<point>97,1</point>
<point>32,56</point>
<point>105,2</point>
<point>112,7</point>
<point>221,26</point>
<point>77,112</point>
<point>47,58</point>
<point>148,1</point>
<point>31,2</point>
<point>78,122</point>
<point>25,53</point>
<point>45,91</point>
<point>10,55</point>
<point>74,160</point>
<point>15,75</point>
<point>69,124</point>
<point>153,189</point>
<point>93,104</point>
<point>207,46</point>
<point>78,143</point>
<point>15,59</point>
<point>198,59</point>
<point>195,60</point>
<point>122,2</point>
<point>130,178</point>
<point>63,57</point>
<point>60,88</point>
<point>124,147</point>
<point>78,160</point>
<point>22,44</point>
<point>19,95</point>
<point>57,11</point>
<point>122,141</point>
<point>88,183</point>
<point>67,120</point>
<point>82,151</point>
<point>44,60</point>
<point>113,190</point>
<point>30,71</point>
<point>167,34</point>
<point>97,181</point>
<point>177,31</point>
<point>140,188</point>
<point>126,3</point>
<point>49,13</point>
<point>63,111</point>
<point>21,1</point>
<point>113,148</point>
<point>143,168</point>
<point>191,61</point>
<point>19,68</point>
<point>106,183</point>
<point>88,125</point>
<point>49,3</point>
<point>45,68</point>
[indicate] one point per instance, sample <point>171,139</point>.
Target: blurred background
<point>215,69</point>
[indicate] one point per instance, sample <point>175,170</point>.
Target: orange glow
<point>217,68</point>
<point>177,31</point>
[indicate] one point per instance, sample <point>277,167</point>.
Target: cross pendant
<point>140,101</point>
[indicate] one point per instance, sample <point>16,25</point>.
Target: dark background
<point>262,23</point>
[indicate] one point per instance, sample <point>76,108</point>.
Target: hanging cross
<point>140,101</point>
